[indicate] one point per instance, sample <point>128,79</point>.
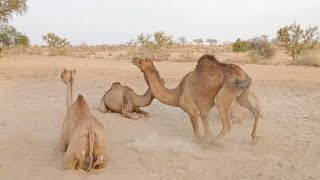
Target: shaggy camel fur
<point>198,89</point>
<point>122,99</point>
<point>82,134</point>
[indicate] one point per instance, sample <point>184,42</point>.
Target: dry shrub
<point>309,59</point>
<point>47,72</point>
<point>162,55</point>
<point>256,58</point>
<point>262,46</point>
<point>187,56</point>
<point>58,51</point>
<point>35,50</point>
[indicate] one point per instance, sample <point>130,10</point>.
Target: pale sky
<point>118,21</point>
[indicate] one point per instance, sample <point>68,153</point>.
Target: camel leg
<point>204,114</point>
<point>127,108</point>
<point>130,115</point>
<point>236,114</point>
<point>224,102</point>
<point>81,157</point>
<point>100,163</point>
<point>205,123</point>
<point>63,145</point>
<point>140,111</point>
<point>194,118</point>
<point>103,107</point>
<point>244,101</point>
<point>70,160</point>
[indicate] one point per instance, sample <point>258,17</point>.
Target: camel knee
<point>102,106</point>
<point>63,146</point>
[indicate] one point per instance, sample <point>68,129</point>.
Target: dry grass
<point>309,59</point>
<point>47,72</point>
<point>178,53</point>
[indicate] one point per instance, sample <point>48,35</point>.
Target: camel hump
<point>208,57</point>
<point>80,97</point>
<point>81,100</point>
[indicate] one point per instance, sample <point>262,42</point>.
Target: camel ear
<point>64,70</point>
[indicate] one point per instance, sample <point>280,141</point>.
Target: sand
<point>32,110</point>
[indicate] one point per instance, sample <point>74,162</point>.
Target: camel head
<point>68,76</point>
<point>144,64</point>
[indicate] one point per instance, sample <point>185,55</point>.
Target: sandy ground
<point>32,110</point>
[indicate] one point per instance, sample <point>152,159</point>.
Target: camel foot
<point>147,115</point>
<point>197,140</point>
<point>215,145</point>
<point>255,139</point>
<point>209,136</point>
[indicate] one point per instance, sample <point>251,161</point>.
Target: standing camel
<point>198,89</point>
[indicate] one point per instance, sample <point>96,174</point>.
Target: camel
<point>198,89</point>
<point>122,99</point>
<point>82,134</point>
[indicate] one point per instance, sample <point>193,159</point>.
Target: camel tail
<point>91,144</point>
<point>243,84</point>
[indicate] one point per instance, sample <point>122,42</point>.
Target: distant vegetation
<point>8,8</point>
<point>10,37</point>
<point>240,46</point>
<point>55,41</point>
<point>298,41</point>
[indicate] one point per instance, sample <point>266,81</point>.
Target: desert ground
<point>33,108</point>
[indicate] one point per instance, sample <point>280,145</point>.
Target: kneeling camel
<point>82,134</point>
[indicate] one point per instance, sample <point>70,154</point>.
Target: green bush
<point>10,37</point>
<point>240,46</point>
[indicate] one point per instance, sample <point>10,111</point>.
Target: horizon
<point>116,23</point>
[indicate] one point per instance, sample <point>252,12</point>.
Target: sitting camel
<point>82,134</point>
<point>122,99</point>
<point>198,89</point>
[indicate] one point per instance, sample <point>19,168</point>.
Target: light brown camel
<point>122,99</point>
<point>82,134</point>
<point>198,89</point>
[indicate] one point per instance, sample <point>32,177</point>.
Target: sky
<point>118,21</point>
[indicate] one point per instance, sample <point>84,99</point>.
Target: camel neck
<point>163,94</point>
<point>143,100</point>
<point>69,95</point>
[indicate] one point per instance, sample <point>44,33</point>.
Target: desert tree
<point>198,41</point>
<point>211,41</point>
<point>297,40</point>
<point>156,44</point>
<point>8,8</point>
<point>131,42</point>
<point>182,40</point>
<point>55,41</point>
<point>240,46</point>
<point>10,37</point>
